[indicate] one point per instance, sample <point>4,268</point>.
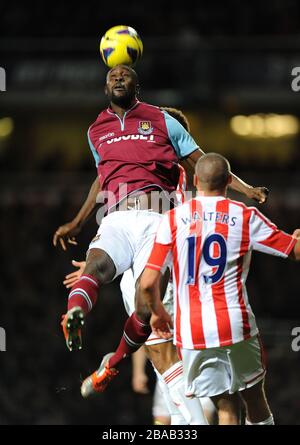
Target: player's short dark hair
<point>213,171</point>
<point>177,114</point>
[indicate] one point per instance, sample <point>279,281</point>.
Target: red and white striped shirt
<point>181,187</point>
<point>209,240</point>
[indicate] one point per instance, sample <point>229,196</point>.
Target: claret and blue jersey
<point>141,150</point>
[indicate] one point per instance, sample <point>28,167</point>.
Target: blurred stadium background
<point>228,67</point>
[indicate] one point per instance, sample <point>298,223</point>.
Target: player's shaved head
<point>213,172</point>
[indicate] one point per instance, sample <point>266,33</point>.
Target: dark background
<point>214,60</point>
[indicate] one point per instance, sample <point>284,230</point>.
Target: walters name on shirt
<point>216,217</point>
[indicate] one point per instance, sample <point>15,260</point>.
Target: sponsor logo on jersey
<point>108,135</point>
<point>145,127</point>
<point>132,137</point>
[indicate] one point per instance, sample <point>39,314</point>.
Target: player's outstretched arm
<point>259,194</point>
<point>67,232</point>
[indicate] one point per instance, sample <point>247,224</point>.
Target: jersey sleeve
<point>161,254</point>
<point>267,238</point>
<point>181,140</point>
<point>93,149</point>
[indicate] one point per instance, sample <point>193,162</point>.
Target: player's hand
<point>73,277</point>
<point>139,383</point>
<point>296,234</point>
<point>259,194</point>
<point>161,323</point>
<point>66,234</point>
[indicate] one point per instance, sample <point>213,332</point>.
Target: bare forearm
<point>89,204</point>
<point>151,295</point>
<point>239,185</point>
<point>260,194</point>
<point>139,362</point>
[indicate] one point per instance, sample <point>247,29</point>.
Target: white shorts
<point>214,371</point>
<point>165,408</point>
<point>159,406</point>
<point>127,286</point>
<point>127,237</point>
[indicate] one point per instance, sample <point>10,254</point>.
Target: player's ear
<point>229,179</point>
<point>105,90</point>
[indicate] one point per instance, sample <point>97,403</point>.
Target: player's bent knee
<point>254,394</point>
<point>100,265</point>
<point>228,408</point>
<point>226,402</point>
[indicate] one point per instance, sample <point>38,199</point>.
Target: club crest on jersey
<point>145,127</point>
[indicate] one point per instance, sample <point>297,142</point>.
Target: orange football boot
<point>98,381</point>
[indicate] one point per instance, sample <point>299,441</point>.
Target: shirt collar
<point>110,110</point>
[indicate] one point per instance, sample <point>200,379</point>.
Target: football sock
<point>176,416</point>
<point>135,334</point>
<point>84,293</point>
<point>268,421</point>
<point>191,409</point>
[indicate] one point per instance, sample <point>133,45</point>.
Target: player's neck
<point>121,110</point>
